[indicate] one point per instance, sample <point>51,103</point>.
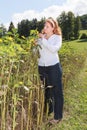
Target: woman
<point>50,69</point>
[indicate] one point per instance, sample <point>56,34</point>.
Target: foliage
<point>25,26</point>
<point>84,21</point>
<point>71,60</point>
<point>77,27</point>
<point>19,83</point>
<point>83,36</point>
<point>11,27</point>
<point>21,95</point>
<point>70,25</point>
<point>2,30</point>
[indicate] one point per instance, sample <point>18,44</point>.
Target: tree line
<point>69,23</point>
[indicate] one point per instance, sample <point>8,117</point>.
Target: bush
<point>83,36</point>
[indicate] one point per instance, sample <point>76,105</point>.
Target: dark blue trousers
<point>52,75</point>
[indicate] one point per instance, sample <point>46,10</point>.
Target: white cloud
<point>78,7</point>
<point>29,14</point>
<point>7,25</point>
<point>52,11</point>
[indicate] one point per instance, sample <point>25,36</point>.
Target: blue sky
<point>17,10</point>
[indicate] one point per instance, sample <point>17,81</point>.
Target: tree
<point>77,27</point>
<point>84,21</point>
<point>40,24</point>
<point>24,27</point>
<point>11,27</point>
<point>70,26</point>
<point>2,30</point>
<point>62,21</point>
<point>66,22</point>
<point>34,24</point>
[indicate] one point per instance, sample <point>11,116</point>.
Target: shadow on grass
<point>82,40</point>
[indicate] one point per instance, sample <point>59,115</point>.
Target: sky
<point>18,10</point>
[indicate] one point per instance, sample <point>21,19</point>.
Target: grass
<point>75,110</point>
<point>83,31</point>
<point>75,106</point>
<point>79,45</point>
<point>76,102</point>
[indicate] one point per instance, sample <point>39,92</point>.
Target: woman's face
<point>48,29</point>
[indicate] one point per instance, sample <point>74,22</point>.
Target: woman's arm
<point>53,45</point>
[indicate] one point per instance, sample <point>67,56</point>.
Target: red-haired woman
<point>50,68</point>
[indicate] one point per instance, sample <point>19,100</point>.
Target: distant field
<point>83,31</point>
<point>79,45</point>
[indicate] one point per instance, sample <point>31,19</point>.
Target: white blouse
<point>49,50</point>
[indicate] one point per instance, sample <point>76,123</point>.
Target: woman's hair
<point>54,24</point>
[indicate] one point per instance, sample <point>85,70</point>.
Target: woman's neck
<point>49,35</point>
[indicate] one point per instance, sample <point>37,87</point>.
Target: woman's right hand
<point>41,35</point>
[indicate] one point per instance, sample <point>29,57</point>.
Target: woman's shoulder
<point>55,36</point>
